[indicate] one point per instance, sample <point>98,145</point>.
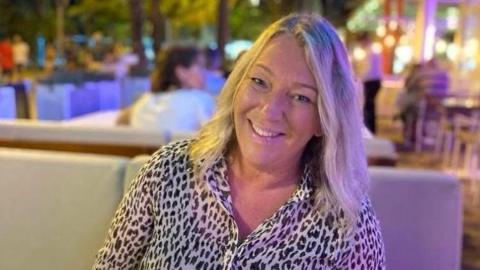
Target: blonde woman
<point>276,180</point>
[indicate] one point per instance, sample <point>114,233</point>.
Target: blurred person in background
<point>276,180</point>
<point>176,101</point>
<point>50,55</point>
<point>6,59</point>
<point>368,68</point>
<point>424,81</point>
<point>214,75</point>
<point>21,52</point>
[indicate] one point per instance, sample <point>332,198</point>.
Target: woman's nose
<point>274,104</point>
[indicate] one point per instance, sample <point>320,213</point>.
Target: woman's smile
<point>265,133</point>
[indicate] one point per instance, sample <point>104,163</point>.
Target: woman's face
<point>192,76</point>
<point>275,110</point>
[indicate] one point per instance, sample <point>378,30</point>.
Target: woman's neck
<point>263,178</point>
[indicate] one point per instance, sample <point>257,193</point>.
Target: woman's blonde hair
<point>338,158</point>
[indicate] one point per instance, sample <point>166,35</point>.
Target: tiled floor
<point>410,159</point>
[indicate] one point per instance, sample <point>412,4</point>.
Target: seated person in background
<point>425,81</point>
<point>214,77</point>
<point>276,180</point>
<point>176,101</point>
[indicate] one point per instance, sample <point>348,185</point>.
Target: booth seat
<point>420,214</point>
<point>8,108</point>
<point>380,152</point>
<point>66,99</point>
<point>56,207</point>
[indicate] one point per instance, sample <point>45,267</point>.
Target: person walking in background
<point>6,59</point>
<point>368,67</point>
<point>50,55</point>
<point>176,101</point>
<point>276,180</point>
<point>21,52</point>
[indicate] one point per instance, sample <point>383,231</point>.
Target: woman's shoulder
<point>196,93</point>
<point>177,150</point>
<point>367,228</point>
<point>366,216</point>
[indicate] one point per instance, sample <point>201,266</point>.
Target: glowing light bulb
<point>377,47</point>
<point>359,53</point>
<point>389,41</point>
<point>381,31</point>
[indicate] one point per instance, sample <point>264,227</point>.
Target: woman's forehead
<point>283,55</point>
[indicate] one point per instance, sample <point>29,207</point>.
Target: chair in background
<point>8,108</point>
<point>427,124</point>
<point>466,152</point>
<point>444,140</point>
<point>465,136</point>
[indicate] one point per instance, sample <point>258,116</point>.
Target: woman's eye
<point>302,98</point>
<point>258,81</point>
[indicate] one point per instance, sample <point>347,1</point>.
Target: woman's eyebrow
<point>305,85</point>
<point>264,67</point>
<point>301,84</point>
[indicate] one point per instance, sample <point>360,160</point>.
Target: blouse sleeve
<point>132,226</point>
<point>365,249</point>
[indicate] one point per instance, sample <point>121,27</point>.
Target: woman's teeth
<point>264,133</point>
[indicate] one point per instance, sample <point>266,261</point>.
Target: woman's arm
<point>124,116</point>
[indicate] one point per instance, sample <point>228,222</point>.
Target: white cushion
<point>420,214</point>
<point>55,207</point>
<point>379,148</point>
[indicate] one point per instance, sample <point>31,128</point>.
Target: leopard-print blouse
<point>169,220</point>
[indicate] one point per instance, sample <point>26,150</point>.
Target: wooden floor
<point>471,191</point>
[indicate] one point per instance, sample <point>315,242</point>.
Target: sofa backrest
<point>55,208</point>
<point>380,152</point>
<point>420,213</point>
<point>133,168</point>
<point>103,140</point>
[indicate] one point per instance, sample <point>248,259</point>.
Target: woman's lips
<point>264,133</point>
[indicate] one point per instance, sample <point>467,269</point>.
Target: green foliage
<point>89,16</point>
<point>28,18</point>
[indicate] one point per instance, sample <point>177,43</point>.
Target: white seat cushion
<point>55,207</point>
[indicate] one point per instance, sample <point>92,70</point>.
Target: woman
<point>176,102</point>
<point>276,180</point>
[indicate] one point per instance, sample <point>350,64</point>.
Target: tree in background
<point>136,20</point>
<point>158,25</point>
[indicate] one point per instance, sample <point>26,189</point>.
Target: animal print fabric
<point>171,220</point>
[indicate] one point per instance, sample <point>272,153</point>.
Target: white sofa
<point>421,214</point>
<point>55,209</point>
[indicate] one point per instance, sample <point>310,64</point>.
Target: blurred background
<point>69,69</point>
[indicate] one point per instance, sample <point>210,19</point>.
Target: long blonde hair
<point>338,158</point>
